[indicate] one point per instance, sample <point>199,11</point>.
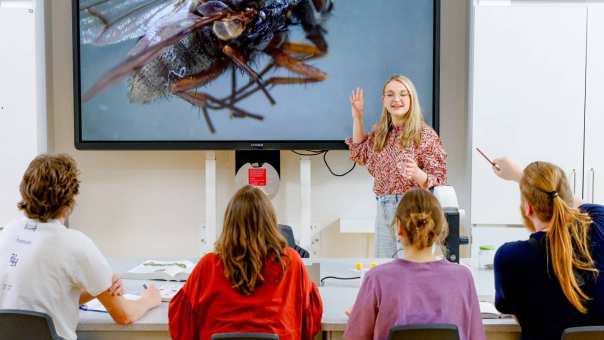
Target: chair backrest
<point>21,324</point>
<point>424,332</point>
<point>584,333</point>
<point>245,336</point>
<point>288,233</point>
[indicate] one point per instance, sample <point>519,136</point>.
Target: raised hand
<point>357,103</point>
<point>507,169</point>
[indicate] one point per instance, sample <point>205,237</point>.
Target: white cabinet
<point>594,108</point>
<point>527,98</point>
<point>23,132</point>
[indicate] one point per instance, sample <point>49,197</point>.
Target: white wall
<point>150,203</point>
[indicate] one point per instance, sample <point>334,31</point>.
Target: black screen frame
<point>227,144</point>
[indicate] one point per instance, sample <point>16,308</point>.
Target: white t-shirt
<point>45,266</point>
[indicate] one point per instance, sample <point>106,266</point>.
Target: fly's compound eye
<point>210,8</point>
<point>228,29</point>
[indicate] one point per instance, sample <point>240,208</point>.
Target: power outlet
<point>315,240</point>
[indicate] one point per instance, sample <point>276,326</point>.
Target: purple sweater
<point>403,292</point>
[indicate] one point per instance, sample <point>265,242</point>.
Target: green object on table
<point>151,263</point>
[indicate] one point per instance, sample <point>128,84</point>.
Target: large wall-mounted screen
<point>236,74</point>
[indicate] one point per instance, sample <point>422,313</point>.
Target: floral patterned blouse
<point>386,166</point>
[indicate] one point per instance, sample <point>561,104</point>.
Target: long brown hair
<point>421,219</point>
<point>412,125</point>
<point>250,236</point>
<point>545,187</point>
<point>49,187</point>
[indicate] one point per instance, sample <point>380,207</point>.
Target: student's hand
<point>152,295</point>
<point>411,170</point>
<point>117,288</point>
<point>357,103</point>
<point>348,311</point>
<point>507,169</point>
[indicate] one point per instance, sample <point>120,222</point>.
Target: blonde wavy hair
<point>545,187</point>
<point>412,125</point>
<point>250,236</point>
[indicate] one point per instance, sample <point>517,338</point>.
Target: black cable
<point>331,171</point>
<point>338,278</point>
<point>324,153</point>
<point>311,152</point>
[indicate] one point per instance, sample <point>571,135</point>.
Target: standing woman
<point>402,152</point>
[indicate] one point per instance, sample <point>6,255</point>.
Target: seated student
<point>252,283</point>
<point>549,281</point>
<point>421,287</point>
<point>48,268</point>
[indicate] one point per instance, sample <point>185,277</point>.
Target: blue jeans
<point>387,243</point>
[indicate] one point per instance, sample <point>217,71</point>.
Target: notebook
<point>488,311</point>
<point>167,290</point>
<point>160,270</point>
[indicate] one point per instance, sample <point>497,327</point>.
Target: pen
<point>86,309</point>
<point>488,159</point>
<point>145,286</point>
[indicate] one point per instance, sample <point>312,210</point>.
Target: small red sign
<point>256,176</point>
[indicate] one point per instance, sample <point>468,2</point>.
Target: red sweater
<point>289,306</point>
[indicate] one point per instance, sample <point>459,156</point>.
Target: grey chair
<point>22,324</point>
<point>584,333</point>
<point>288,233</point>
<point>424,332</point>
<point>245,336</point>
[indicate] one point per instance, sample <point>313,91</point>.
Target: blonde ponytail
<point>546,188</point>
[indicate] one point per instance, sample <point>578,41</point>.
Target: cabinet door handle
<point>593,185</point>
<point>574,172</point>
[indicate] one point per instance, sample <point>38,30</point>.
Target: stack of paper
<point>161,270</point>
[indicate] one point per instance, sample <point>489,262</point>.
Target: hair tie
<point>553,194</point>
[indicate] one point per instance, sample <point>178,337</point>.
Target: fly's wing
<point>165,28</point>
<point>104,22</point>
<point>166,35</point>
